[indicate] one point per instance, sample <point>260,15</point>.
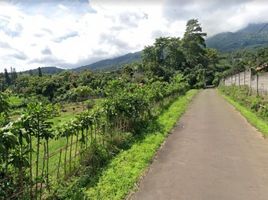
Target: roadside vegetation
<point>253,108</point>
<point>124,171</point>
<point>250,104</point>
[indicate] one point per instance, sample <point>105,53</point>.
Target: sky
<point>72,33</point>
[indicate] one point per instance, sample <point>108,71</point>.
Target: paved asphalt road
<point>214,154</point>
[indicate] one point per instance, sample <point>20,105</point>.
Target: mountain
<point>254,35</point>
<point>112,63</point>
<point>45,70</point>
<point>107,64</point>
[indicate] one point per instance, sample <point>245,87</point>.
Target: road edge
<point>248,115</point>
<point>155,156</point>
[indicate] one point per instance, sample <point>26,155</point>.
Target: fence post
<point>250,89</point>
<point>58,171</point>
<point>235,79</point>
<point>257,76</point>
<point>239,79</point>
<point>244,77</point>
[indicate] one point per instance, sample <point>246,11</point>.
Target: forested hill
<point>45,70</point>
<point>113,62</point>
<point>107,64</point>
<point>254,35</point>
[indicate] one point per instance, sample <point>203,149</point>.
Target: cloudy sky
<point>71,33</point>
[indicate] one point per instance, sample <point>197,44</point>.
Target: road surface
<point>214,154</point>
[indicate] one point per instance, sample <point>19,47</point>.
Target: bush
<point>80,93</point>
<point>95,156</point>
<point>89,103</point>
<point>118,141</point>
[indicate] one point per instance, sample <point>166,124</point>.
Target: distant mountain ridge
<point>44,70</point>
<point>112,62</point>
<point>254,35</point>
<point>107,64</point>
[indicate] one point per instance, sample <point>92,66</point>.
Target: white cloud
<point>217,15</point>
<point>69,33</point>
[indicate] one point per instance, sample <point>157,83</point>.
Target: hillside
<point>107,64</point>
<point>112,62</point>
<point>254,35</point>
<point>45,70</point>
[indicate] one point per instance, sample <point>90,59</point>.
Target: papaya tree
<point>38,126</point>
<point>4,108</point>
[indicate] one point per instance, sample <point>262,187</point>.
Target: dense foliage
<point>127,108</point>
<point>188,55</point>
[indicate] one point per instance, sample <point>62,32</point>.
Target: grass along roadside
<point>120,176</point>
<point>251,117</point>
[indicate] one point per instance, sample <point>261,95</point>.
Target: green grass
<point>251,117</point>
<point>15,100</point>
<point>63,118</point>
<point>54,144</point>
<point>68,112</point>
<point>71,111</point>
<point>120,176</point>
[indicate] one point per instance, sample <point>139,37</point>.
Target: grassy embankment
<point>123,172</point>
<point>251,117</point>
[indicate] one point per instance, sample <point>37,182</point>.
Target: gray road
<point>214,154</point>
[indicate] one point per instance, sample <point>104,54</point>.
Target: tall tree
<point>13,75</point>
<point>7,78</point>
<point>30,72</point>
<point>212,69</point>
<point>164,57</point>
<point>40,72</point>
<point>194,44</point>
<point>194,48</point>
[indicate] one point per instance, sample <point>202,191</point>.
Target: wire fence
<point>58,164</point>
<point>35,157</point>
<point>65,159</point>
